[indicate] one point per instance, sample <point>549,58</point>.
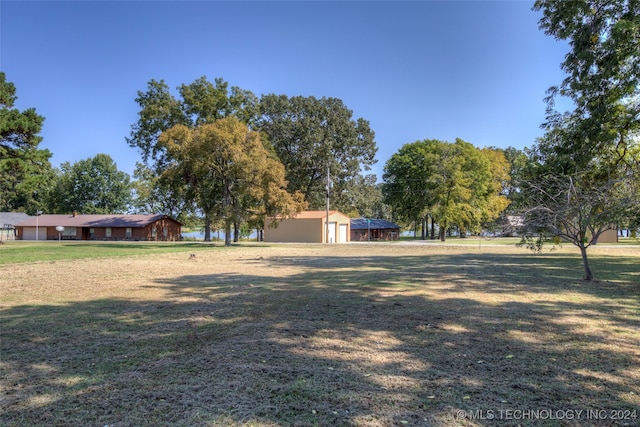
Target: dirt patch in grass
<point>351,335</point>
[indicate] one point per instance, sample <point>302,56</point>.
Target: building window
<point>165,232</point>
<point>127,232</point>
<point>107,232</point>
<point>69,232</point>
<point>154,232</point>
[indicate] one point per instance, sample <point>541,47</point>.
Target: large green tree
<point>362,198</point>
<point>229,173</point>
<point>592,150</point>
<point>25,171</point>
<point>602,73</point>
<point>153,195</point>
<point>310,135</point>
<point>454,183</point>
<point>406,187</point>
<point>91,186</point>
<point>199,102</point>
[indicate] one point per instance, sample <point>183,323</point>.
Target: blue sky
<point>476,70</point>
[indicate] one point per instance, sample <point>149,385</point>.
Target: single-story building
<point>608,236</point>
<point>99,227</point>
<point>309,227</point>
<point>366,229</point>
<point>7,224</point>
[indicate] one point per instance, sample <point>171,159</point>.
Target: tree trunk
<point>227,220</point>
<point>236,232</point>
<point>207,230</point>
<point>443,232</point>
<point>424,228</point>
<point>588,275</point>
<point>433,228</point>
<point>227,233</point>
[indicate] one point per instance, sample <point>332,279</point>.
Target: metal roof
<point>366,223</point>
<point>133,221</point>
<point>11,218</point>
<point>316,214</point>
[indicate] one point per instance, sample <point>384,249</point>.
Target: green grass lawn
<point>26,251</point>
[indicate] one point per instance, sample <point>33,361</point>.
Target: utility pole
<point>328,188</point>
<point>38,213</point>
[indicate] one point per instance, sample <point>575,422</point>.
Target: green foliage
<point>534,243</point>
<point>583,174</point>
<point>25,171</point>
<point>227,172</point>
<point>201,102</point>
<point>362,197</point>
<point>309,135</point>
<point>603,70</point>
<point>452,182</point>
<point>91,186</point>
<point>153,194</point>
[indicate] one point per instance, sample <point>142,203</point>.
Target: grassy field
<point>29,251</point>
<point>316,335</point>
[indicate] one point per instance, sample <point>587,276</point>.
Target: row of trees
<point>450,183</point>
<point>278,168</point>
<point>212,152</point>
<point>225,155</point>
<point>229,158</point>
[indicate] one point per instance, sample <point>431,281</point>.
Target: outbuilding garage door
<point>332,232</point>
<point>29,233</point>
<point>343,233</point>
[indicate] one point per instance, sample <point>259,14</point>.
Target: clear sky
<point>476,70</point>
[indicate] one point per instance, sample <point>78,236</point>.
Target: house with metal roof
<point>99,227</point>
<point>366,229</point>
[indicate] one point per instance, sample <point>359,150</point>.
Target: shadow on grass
<point>367,341</point>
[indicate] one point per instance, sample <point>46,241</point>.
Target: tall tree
<point>581,171</point>
<point>464,189</point>
<point>25,171</point>
<point>576,210</point>
<point>200,102</point>
<point>452,182</point>
<point>310,135</point>
<point>602,73</point>
<point>517,164</point>
<point>229,172</point>
<point>406,188</point>
<point>153,195</point>
<point>91,186</point>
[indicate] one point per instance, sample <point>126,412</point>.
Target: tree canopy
<point>25,171</point>
<point>310,135</point>
<point>602,72</point>
<point>91,186</point>
<point>583,173</point>
<point>201,102</point>
<point>228,171</point>
<point>452,182</point>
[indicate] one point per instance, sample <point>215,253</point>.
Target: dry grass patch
<point>351,335</point>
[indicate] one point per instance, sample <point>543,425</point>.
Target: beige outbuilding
<point>309,227</point>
